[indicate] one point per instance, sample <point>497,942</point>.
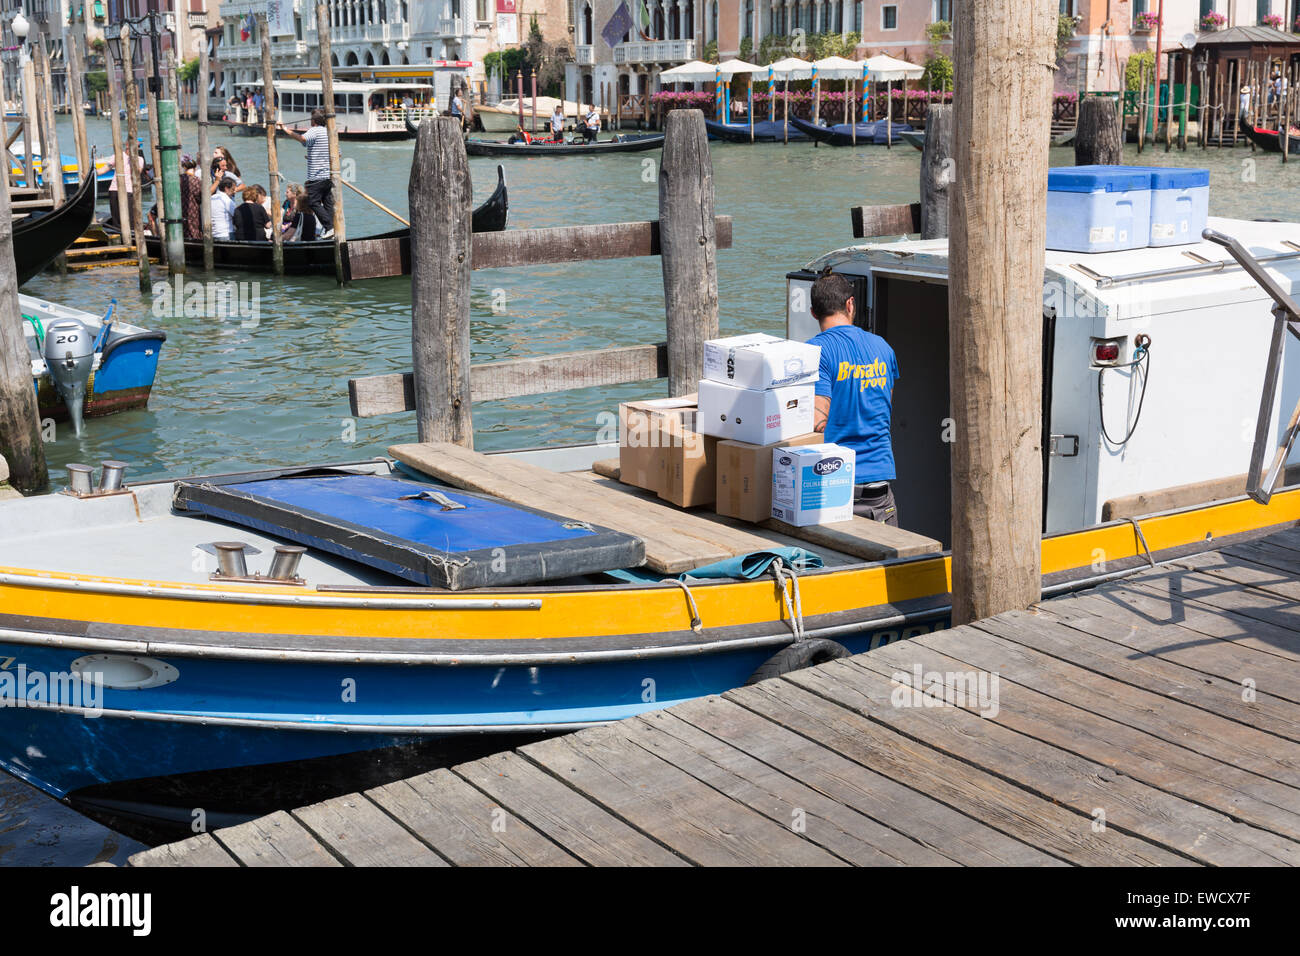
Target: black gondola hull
<point>633,144</point>
<point>38,241</point>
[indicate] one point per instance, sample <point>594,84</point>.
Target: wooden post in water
<point>331,129</point>
<point>151,101</point>
<point>272,157</point>
<point>132,150</point>
<point>120,169</point>
<point>51,155</point>
<point>1142,107</point>
<point>205,155</point>
<point>997,219</point>
<point>29,122</point>
<point>1097,139</point>
<point>76,97</point>
<point>936,171</point>
<point>688,247</point>
<point>20,426</point>
<point>440,194</point>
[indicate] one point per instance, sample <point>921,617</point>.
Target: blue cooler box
<point>1098,208</point>
<point>1180,205</point>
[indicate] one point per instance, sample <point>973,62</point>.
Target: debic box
<point>761,361</point>
<point>812,484</point>
<point>1098,208</point>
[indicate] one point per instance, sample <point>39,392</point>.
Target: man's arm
<point>293,133</point>
<point>821,412</point>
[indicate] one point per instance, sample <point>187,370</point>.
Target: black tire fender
<point>797,656</point>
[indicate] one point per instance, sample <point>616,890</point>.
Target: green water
<point>230,396</point>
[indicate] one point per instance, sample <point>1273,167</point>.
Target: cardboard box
<point>643,427</point>
<point>756,416</point>
<point>744,483</point>
<point>812,484</point>
<point>761,361</point>
<point>690,469</point>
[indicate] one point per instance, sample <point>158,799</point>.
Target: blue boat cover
<point>765,131</point>
<point>402,527</point>
<point>744,566</point>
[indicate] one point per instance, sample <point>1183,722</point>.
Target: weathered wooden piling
<point>1097,139</point>
<point>20,426</point>
<point>688,244</point>
<point>331,129</point>
<point>76,97</point>
<point>936,171</point>
<point>272,157</point>
<point>132,150</point>
<point>997,216</point>
<point>29,122</point>
<point>121,170</point>
<point>51,155</point>
<point>205,156</point>
<point>155,141</point>
<point>441,195</point>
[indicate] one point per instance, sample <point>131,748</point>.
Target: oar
<point>404,222</point>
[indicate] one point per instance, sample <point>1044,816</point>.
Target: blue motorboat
<point>86,365</point>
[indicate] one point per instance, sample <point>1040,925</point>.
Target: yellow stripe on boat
<point>592,611</point>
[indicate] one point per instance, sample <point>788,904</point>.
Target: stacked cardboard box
<point>660,450</point>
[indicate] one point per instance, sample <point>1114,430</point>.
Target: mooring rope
<point>788,579</point>
<point>1142,538</point>
<point>696,625</point>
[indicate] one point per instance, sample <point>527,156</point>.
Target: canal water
<point>270,387</point>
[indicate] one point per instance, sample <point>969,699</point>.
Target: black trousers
<point>876,504</point>
<point>320,195</point>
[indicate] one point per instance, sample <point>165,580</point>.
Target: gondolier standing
<point>855,395</point>
<point>320,189</point>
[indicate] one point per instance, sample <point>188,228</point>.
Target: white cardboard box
<point>761,361</point>
<point>757,416</point>
<point>812,484</point>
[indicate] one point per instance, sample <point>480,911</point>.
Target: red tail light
<point>1106,352</point>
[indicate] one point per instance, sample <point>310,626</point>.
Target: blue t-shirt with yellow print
<point>858,372</point>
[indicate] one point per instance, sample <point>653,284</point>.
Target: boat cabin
<point>1124,432</point>
<point>361,109</point>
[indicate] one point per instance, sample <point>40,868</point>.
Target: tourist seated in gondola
<point>301,227</point>
<point>520,135</point>
<point>223,210</point>
<point>251,218</point>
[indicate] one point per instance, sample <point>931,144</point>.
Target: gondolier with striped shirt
<point>319,186</point>
<point>854,395</point>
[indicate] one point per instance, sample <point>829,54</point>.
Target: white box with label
<point>761,361</point>
<point>757,416</point>
<point>812,484</point>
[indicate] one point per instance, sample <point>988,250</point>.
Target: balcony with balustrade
<point>654,52</point>
<point>584,54</point>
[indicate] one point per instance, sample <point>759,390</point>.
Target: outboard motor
<point>69,355</point>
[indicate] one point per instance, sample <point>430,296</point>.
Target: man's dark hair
<point>317,117</point>
<point>830,294</point>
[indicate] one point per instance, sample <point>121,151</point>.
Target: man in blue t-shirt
<point>854,395</point>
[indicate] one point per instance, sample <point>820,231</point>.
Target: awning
<point>730,68</point>
<point>887,69</point>
<point>696,71</point>
<point>839,68</point>
<point>792,68</point>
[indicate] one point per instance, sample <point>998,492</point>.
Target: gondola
<point>38,240</point>
<point>1269,140</point>
<point>619,144</point>
<point>875,133</point>
<point>317,256</point>
<point>765,131</point>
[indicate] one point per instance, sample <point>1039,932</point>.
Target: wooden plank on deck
<point>361,834</point>
<point>977,792</point>
<point>1177,797</point>
<point>463,825</point>
<point>201,850</point>
<point>574,822</point>
<point>275,840</point>
<point>693,820</point>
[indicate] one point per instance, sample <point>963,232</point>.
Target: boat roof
<point>1152,274</point>
<point>314,86</point>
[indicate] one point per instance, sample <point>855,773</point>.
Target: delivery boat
<point>208,632</point>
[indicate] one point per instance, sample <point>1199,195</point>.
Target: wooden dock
<point>1151,721</point>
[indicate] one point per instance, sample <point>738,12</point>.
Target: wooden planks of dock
<point>1151,721</point>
